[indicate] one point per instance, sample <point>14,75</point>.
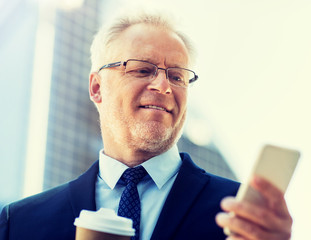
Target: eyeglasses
<point>144,70</point>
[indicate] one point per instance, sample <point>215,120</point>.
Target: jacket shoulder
<point>44,198</point>
<point>29,218</point>
<point>216,183</point>
<point>50,214</point>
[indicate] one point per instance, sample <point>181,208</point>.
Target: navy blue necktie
<point>129,205</point>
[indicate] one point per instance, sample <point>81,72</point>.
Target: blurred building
<point>208,158</point>
<point>73,138</point>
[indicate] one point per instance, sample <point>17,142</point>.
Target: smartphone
<point>277,165</point>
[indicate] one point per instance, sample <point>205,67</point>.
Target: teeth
<point>155,107</point>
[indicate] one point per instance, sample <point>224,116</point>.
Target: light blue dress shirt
<point>153,189</point>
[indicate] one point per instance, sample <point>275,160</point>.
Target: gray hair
<point>111,31</point>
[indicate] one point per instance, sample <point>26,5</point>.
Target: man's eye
<point>176,78</point>
<point>141,72</point>
<point>144,71</point>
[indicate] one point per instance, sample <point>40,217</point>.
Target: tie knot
<point>134,175</point>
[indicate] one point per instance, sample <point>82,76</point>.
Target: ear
<point>94,88</point>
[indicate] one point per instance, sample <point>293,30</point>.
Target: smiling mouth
<point>156,107</point>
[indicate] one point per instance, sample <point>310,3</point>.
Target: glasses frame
<point>123,63</point>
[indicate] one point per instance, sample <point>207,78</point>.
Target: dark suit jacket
<point>188,213</point>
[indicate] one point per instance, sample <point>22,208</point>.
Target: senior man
<point>141,70</point>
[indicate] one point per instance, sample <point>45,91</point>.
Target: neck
<point>133,153</point>
<point>131,158</point>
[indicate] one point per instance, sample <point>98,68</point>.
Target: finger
<point>235,237</point>
<point>246,229</point>
<point>256,214</point>
<point>273,195</point>
<point>240,227</point>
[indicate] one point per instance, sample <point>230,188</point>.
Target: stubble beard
<point>147,137</point>
<point>153,137</point>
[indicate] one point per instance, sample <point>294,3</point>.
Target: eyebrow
<point>147,59</point>
<point>151,60</point>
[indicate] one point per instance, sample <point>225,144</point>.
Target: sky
<point>254,64</point>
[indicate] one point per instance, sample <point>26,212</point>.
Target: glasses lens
<point>144,70</point>
<point>139,69</point>
<point>179,77</point>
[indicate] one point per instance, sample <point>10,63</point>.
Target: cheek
<point>122,97</point>
<point>132,91</point>
<point>181,100</point>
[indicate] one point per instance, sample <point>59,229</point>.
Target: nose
<point>160,83</point>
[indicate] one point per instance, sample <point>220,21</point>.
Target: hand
<point>248,221</point>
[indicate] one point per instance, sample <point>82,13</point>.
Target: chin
<point>154,137</point>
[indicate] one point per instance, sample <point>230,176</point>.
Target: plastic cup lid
<point>105,220</point>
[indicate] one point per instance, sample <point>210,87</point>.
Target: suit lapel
<point>188,185</point>
<point>82,190</point>
<point>186,188</point>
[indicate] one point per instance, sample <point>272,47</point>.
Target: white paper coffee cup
<point>105,220</point>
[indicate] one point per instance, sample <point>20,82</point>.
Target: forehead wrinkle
<point>168,61</point>
<point>139,49</point>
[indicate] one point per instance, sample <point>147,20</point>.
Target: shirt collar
<point>160,168</point>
